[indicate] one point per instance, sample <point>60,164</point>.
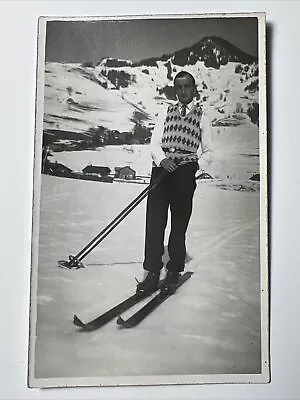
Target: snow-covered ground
<point>210,326</point>
<point>135,156</point>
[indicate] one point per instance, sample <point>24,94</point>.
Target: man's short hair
<point>181,74</point>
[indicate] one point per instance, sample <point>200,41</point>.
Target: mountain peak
<point>225,45</point>
<point>212,50</point>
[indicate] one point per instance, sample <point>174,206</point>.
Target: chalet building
<point>57,169</point>
<point>125,173</point>
<point>96,171</point>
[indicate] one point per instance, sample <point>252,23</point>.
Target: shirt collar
<point>188,106</point>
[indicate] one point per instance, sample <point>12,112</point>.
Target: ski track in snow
<point>220,240</point>
<point>209,248</point>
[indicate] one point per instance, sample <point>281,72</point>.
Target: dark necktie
<point>183,110</point>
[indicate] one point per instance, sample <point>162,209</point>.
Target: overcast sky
<point>135,39</point>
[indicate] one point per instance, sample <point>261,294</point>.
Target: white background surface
<point>17,95</point>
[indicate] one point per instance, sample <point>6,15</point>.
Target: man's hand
<point>168,165</point>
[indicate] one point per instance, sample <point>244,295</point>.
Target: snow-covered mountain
<point>214,51</point>
<point>120,94</point>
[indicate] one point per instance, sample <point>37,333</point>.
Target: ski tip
<point>122,323</point>
<point>188,274</point>
<point>78,322</point>
<point>120,320</point>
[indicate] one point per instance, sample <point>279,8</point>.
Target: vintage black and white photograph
<point>150,234</point>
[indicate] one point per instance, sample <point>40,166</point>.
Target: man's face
<point>184,89</point>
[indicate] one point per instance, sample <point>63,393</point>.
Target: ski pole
<point>112,227</point>
<point>119,218</point>
<point>75,261</point>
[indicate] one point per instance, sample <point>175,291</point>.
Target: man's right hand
<point>168,165</point>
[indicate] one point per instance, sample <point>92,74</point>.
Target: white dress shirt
<point>205,152</point>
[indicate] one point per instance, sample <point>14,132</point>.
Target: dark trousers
<point>176,192</point>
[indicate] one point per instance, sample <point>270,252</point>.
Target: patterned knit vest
<point>182,135</point>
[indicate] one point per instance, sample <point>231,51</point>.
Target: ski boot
<point>170,282</point>
<point>149,284</point>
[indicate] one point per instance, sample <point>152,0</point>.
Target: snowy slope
<point>118,93</point>
<point>212,325</point>
<point>220,88</point>
<point>93,106</point>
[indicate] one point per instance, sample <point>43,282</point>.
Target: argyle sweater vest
<point>182,135</point>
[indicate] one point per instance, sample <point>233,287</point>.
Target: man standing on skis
<point>180,143</point>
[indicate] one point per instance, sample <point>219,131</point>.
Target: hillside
<point>124,97</point>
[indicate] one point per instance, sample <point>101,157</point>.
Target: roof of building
<point>95,169</point>
<point>118,169</point>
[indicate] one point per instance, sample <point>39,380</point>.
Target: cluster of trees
<point>181,57</point>
<point>215,62</point>
<point>253,113</point>
<point>168,91</point>
<point>247,70</point>
<point>114,63</point>
<point>88,64</point>
<point>119,78</point>
<point>169,71</point>
<point>98,136</point>
<point>252,87</point>
<point>210,58</point>
<point>151,62</point>
<point>148,62</point>
<point>206,51</point>
<point>102,136</point>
